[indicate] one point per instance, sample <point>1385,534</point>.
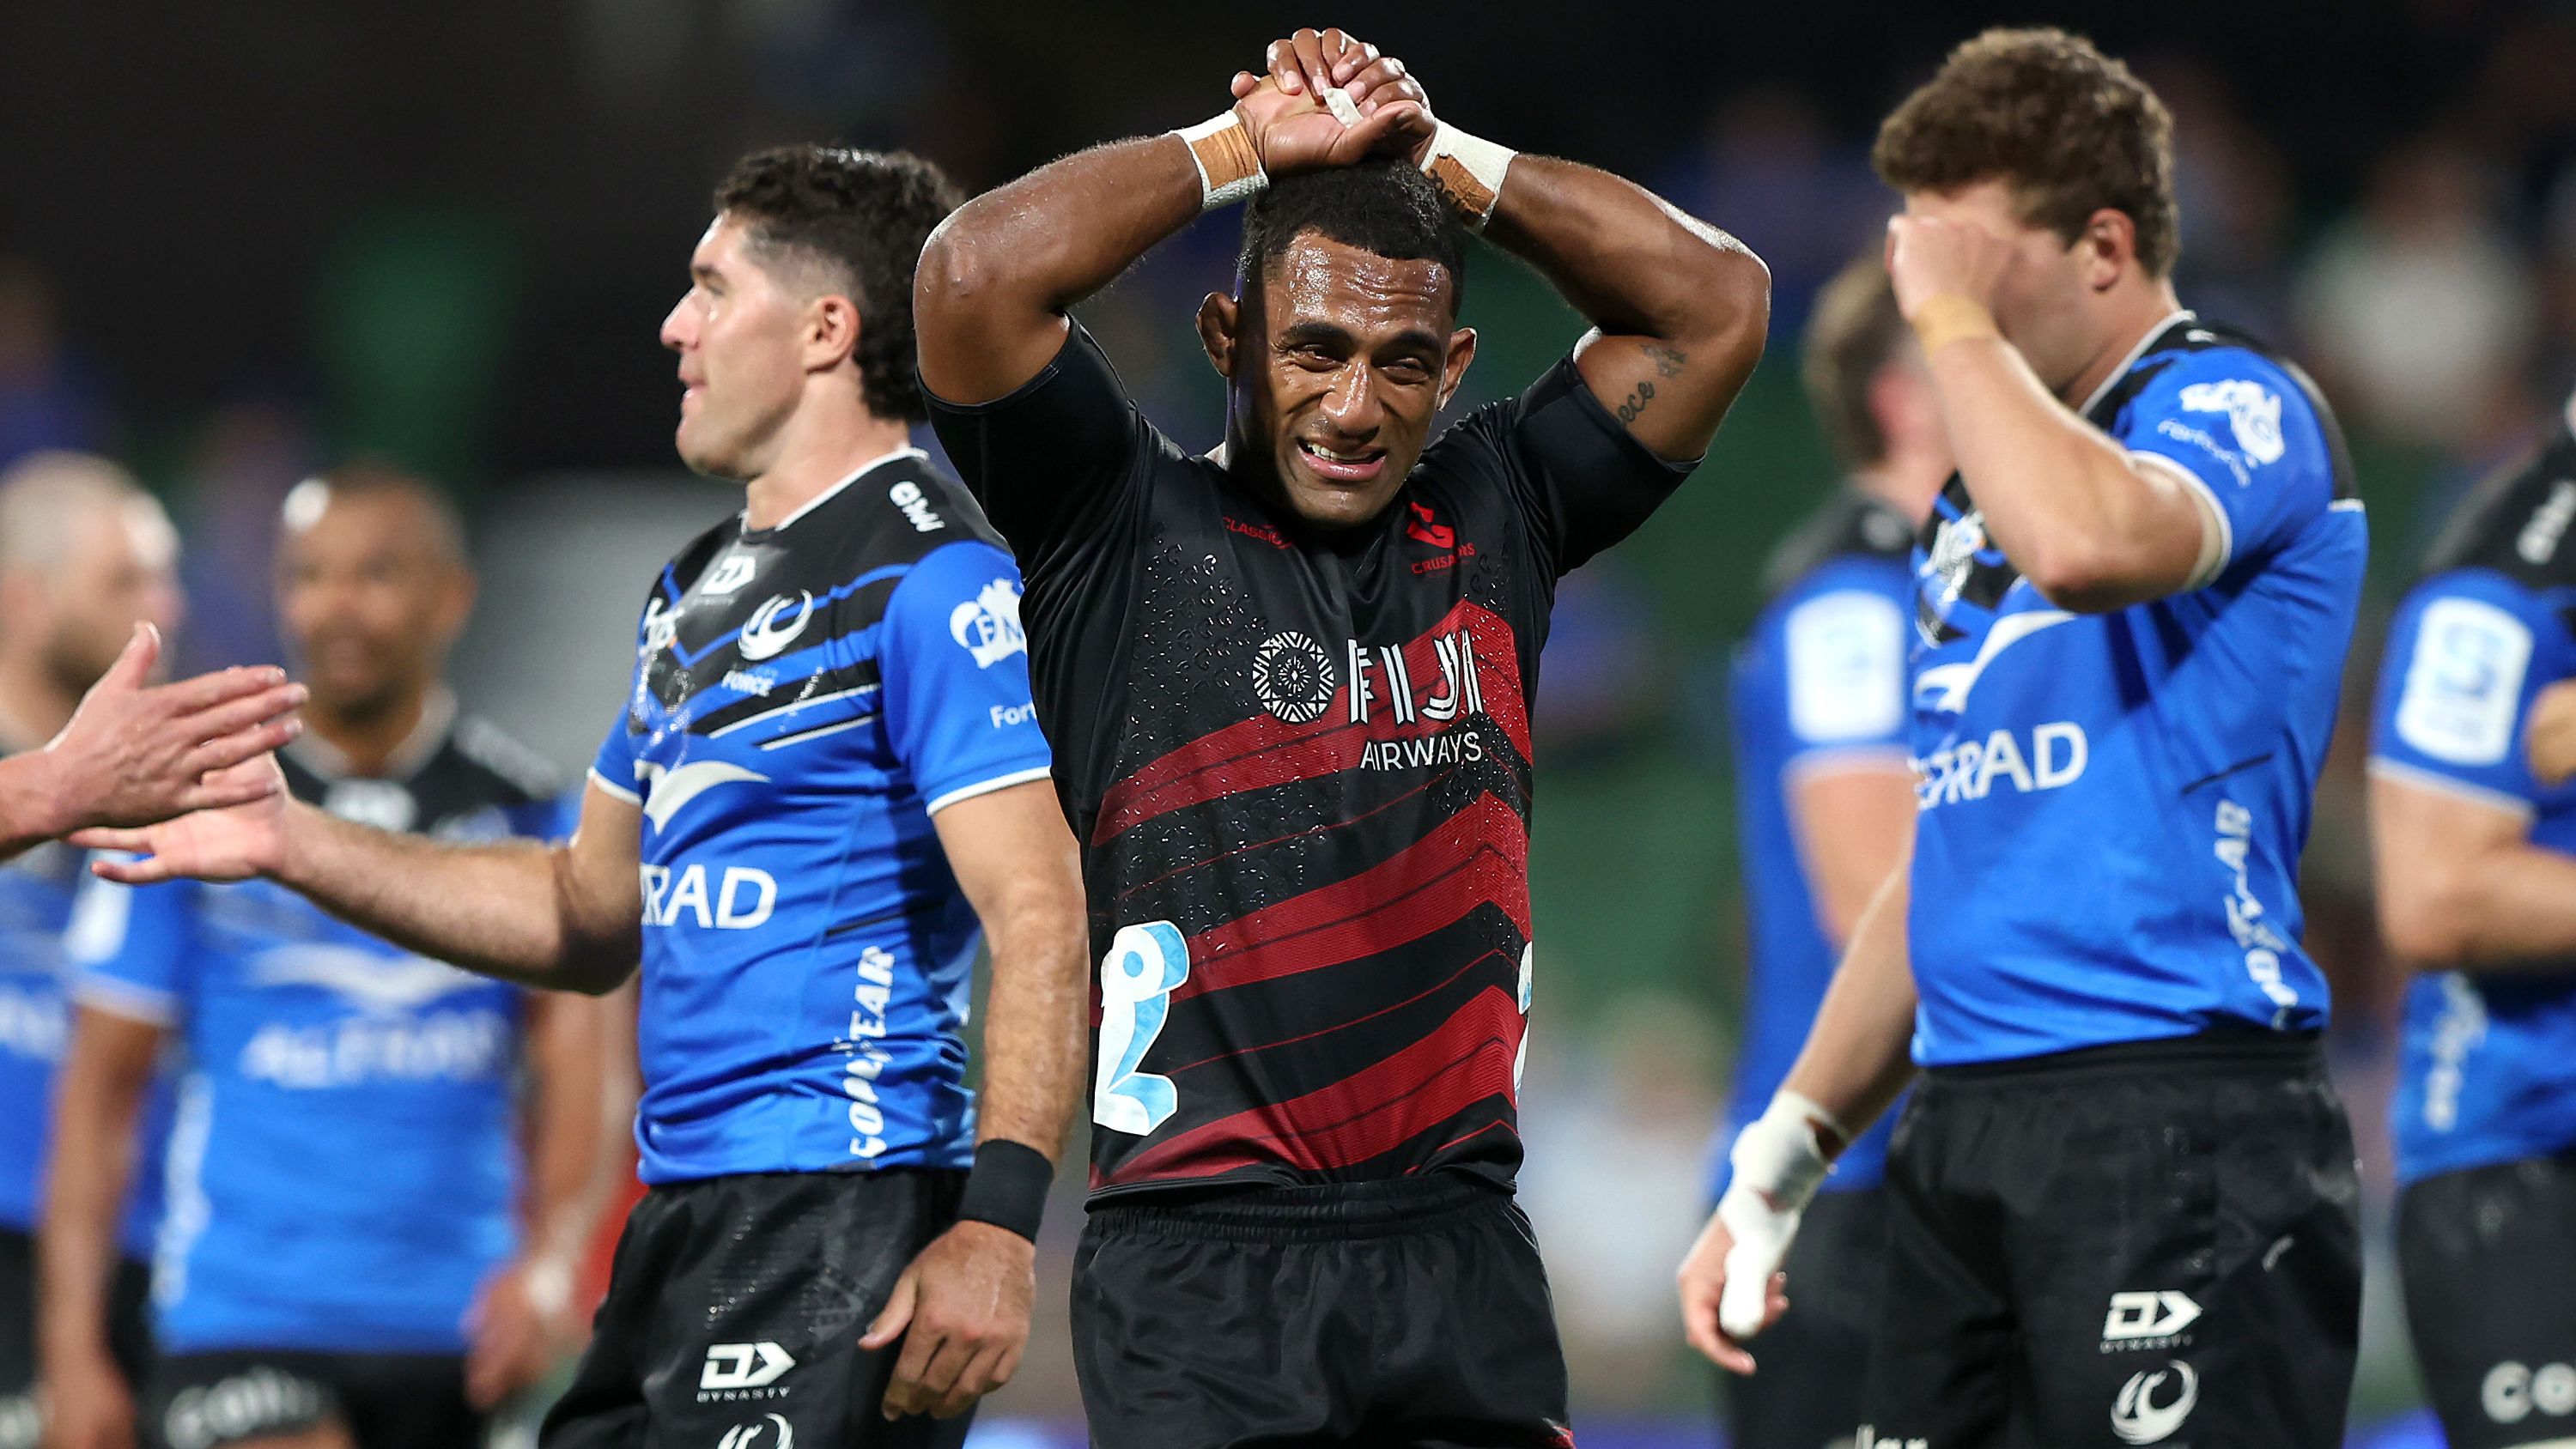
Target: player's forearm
<point>86,1177</point>
<point>2089,528</point>
<point>997,275</point>
<point>30,809</point>
<point>568,1148</point>
<point>1858,1054</point>
<point>498,908</point>
<point>1036,1037</point>
<point>2509,909</point>
<point>1632,263</point>
<point>1683,306</point>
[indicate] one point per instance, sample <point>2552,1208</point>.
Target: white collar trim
<point>2179,314</point>
<point>828,494</point>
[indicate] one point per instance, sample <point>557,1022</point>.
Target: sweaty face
<point>370,597</point>
<point>738,335</point>
<point>1338,372</point>
<point>2040,304</point>
<point>121,569</point>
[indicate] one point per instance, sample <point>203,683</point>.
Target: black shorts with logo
<point>2147,1244</point>
<point>734,1311</point>
<point>2488,1257</point>
<point>1813,1360</point>
<point>1390,1314</point>
<point>385,1401</point>
<point>129,1336</point>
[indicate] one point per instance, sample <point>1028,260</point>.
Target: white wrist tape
<point>1229,168</point>
<point>1779,1164</point>
<point>1470,169</point>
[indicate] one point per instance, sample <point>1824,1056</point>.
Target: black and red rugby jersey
<point>1299,769</point>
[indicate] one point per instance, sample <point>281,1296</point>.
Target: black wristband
<point>1008,1187</point>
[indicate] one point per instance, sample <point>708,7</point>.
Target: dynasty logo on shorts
<point>738,1371</point>
<point>2148,1321</point>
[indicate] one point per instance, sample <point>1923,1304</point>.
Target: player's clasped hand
<point>1930,257</point>
<point>133,755</point>
<point>1291,127</point>
<point>962,1311</point>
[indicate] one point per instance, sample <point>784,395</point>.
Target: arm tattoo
<point>1668,361</point>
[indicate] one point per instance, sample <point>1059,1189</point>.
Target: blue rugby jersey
<point>2488,1061</point>
<point>1819,679</point>
<point>344,1169</point>
<point>2113,805</point>
<point>805,698</point>
<point>37,891</point>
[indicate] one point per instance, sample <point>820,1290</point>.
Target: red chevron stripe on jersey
<point>1261,752</point>
<point>1467,1060</point>
<point>1478,856</point>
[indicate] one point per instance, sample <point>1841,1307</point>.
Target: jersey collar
<point>437,717</point>
<point>828,494</point>
<point>2179,314</point>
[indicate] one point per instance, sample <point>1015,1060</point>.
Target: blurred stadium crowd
<point>230,259</point>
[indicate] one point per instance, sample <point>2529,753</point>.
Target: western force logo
<point>2253,413</point>
<point>736,1371</point>
<point>2144,1413</point>
<point>1293,677</point>
<point>1945,687</point>
<point>1948,562</point>
<point>988,625</point>
<point>764,637</point>
<point>747,1436</point>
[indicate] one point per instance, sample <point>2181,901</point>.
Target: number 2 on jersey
<point>1144,965</point>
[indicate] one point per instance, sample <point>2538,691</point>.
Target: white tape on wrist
<point>1470,169</point>
<point>1779,1164</point>
<point>1229,167</point>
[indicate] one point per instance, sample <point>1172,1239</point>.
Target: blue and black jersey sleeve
<point>2245,435</point>
<point>957,703</point>
<point>2467,653</point>
<point>133,949</point>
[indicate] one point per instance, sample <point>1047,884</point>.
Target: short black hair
<point>865,215</point>
<point>1383,206</point>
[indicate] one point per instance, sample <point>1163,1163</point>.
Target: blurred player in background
<point>828,772</point>
<point>1289,684</point>
<point>354,1254</point>
<point>1826,806</point>
<point>2477,886</point>
<point>2122,1203</point>
<point>85,560</point>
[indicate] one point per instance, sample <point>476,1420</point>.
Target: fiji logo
<point>2253,411</point>
<point>1292,677</point>
<point>988,625</point>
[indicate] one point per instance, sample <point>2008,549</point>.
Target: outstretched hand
<point>1293,129</point>
<point>232,843</point>
<point>133,754</point>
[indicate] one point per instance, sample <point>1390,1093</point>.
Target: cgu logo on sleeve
<point>988,625</point>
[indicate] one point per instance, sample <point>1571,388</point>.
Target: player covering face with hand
<point>1289,681</point>
<point>2122,1201</point>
